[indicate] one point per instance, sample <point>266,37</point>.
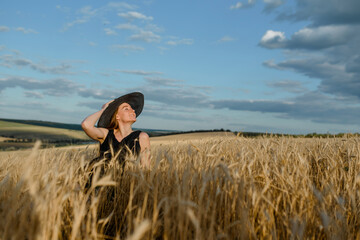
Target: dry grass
<point>214,188</point>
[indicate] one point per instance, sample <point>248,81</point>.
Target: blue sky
<point>271,65</point>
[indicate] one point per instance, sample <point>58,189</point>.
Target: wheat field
<point>210,188</point>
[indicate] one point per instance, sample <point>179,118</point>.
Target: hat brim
<point>135,100</point>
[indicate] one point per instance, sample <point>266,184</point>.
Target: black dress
<point>111,148</point>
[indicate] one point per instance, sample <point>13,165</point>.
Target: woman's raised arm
<point>88,125</point>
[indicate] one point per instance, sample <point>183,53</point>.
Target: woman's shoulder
<point>143,135</point>
<point>144,138</point>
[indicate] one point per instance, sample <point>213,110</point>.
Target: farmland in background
<point>21,134</point>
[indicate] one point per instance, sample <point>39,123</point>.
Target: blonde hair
<point>113,123</point>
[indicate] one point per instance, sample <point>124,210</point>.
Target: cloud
<point>273,39</point>
<point>88,10</point>
<point>184,97</point>
<point>110,32</point>
<point>265,106</point>
<point>145,36</point>
<point>226,39</point>
<point>25,31</point>
<point>87,13</point>
<point>118,6</point>
<point>33,94</point>
<point>316,38</point>
<point>135,15</point>
<point>313,106</point>
<point>75,22</point>
<point>326,50</point>
<point>174,94</point>
<point>93,44</point>
<point>127,26</point>
<point>54,87</point>
<point>139,72</point>
<point>175,115</point>
<point>100,93</point>
<point>269,4</point>
<point>185,41</point>
<point>272,4</point>
<point>164,82</point>
<point>335,78</point>
<point>14,61</point>
<point>288,86</point>
<point>237,5</point>
<point>240,5</point>
<point>127,47</point>
<point>4,29</point>
<point>324,12</point>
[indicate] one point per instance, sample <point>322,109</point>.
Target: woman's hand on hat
<point>106,105</point>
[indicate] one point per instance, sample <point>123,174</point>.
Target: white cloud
<point>127,47</point>
<point>273,39</point>
<point>53,87</point>
<point>139,72</point>
<point>135,15</point>
<point>288,86</point>
<point>309,37</point>
<point>33,94</point>
<point>164,82</point>
<point>185,41</point>
<point>127,26</point>
<point>226,39</point>
<point>14,61</point>
<point>75,22</point>
<point>87,13</point>
<point>93,44</point>
<point>26,31</point>
<point>110,32</point>
<point>236,6</point>
<point>146,36</point>
<point>4,29</point>
<point>239,5</point>
<point>88,10</point>
<point>272,64</point>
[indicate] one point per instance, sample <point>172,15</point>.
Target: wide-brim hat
<point>134,99</point>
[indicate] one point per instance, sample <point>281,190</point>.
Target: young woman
<point>114,131</point>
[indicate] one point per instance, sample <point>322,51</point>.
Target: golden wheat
<point>214,188</point>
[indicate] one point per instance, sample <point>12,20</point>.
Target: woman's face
<point>125,113</point>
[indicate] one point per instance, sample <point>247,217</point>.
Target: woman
<point>114,132</point>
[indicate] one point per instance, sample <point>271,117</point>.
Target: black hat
<point>135,100</point>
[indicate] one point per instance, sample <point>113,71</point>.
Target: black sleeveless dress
<point>111,148</point>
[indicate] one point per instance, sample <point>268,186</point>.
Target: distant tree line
<point>46,124</point>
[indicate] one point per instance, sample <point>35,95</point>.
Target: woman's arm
<point>145,150</point>
<point>88,125</point>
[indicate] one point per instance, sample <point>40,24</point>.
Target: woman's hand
<point>106,105</point>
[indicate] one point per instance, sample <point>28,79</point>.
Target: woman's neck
<point>123,130</point>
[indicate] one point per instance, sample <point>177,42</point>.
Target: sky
<point>276,66</point>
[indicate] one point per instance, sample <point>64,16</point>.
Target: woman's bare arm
<point>88,125</point>
<point>145,150</point>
